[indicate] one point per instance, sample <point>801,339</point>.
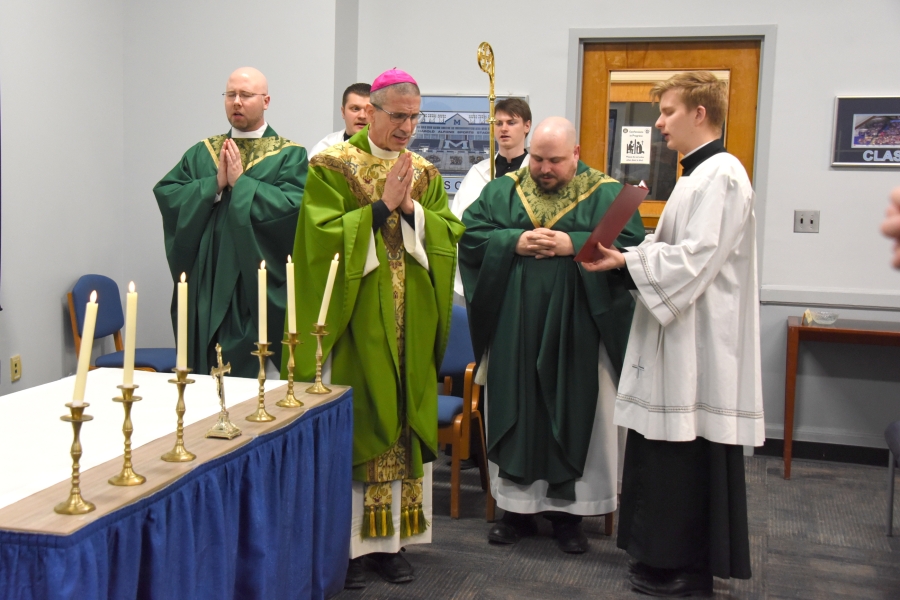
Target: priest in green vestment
<point>383,210</point>
<point>230,203</point>
<point>550,336</point>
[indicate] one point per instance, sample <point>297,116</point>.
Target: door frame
<point>766,34</point>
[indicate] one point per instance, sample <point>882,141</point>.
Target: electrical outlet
<point>15,368</point>
<point>806,221</point>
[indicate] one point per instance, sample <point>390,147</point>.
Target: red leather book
<point>613,222</point>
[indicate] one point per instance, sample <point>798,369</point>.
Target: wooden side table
<point>843,331</point>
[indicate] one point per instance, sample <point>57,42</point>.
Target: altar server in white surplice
<point>513,122</point>
<point>690,393</point>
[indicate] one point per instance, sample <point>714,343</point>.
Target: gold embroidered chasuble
<point>349,171</point>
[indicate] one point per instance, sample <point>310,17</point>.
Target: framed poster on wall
<point>454,134</point>
<point>866,132</point>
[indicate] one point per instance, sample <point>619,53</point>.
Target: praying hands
<point>398,185</point>
<point>230,167</point>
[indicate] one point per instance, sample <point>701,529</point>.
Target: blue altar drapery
<point>269,520</point>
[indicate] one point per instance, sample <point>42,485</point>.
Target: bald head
<point>555,130</point>
<point>250,78</point>
<point>246,98</point>
<point>554,154</point>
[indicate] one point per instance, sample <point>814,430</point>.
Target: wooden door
<point>621,74</point>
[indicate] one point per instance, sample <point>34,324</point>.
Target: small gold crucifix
<point>224,428</point>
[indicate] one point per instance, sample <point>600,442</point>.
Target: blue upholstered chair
<point>110,320</point>
<point>892,437</point>
<point>457,415</point>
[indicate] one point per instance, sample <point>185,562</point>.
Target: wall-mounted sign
<point>636,145</point>
<point>866,132</point>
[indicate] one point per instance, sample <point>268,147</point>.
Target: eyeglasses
<point>398,118</point>
<point>243,95</point>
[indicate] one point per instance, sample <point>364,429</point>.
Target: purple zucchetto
<point>392,77</point>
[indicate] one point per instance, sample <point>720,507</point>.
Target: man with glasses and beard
<point>231,202</point>
<point>384,211</point>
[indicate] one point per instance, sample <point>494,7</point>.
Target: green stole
<point>219,245</point>
<point>543,321</point>
<point>387,329</point>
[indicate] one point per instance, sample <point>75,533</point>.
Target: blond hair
<point>698,88</point>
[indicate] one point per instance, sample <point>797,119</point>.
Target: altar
<point>263,515</point>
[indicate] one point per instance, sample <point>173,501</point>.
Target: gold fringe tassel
<point>372,532</point>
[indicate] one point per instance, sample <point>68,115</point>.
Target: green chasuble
<point>542,321</point>
<point>387,328</point>
<point>221,244</point>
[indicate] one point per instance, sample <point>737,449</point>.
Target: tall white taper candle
<point>329,286</point>
<point>130,326</point>
<point>181,353</point>
<point>291,306</point>
<point>87,343</point>
<point>261,283</point>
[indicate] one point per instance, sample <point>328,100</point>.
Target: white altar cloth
<point>35,444</point>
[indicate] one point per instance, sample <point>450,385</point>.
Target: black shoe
<point>648,573</point>
<point>570,537</point>
<point>356,576</point>
<point>679,584</point>
<point>392,567</point>
<point>511,527</point>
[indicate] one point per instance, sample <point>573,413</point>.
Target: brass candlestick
<point>223,428</point>
<point>261,415</point>
<point>289,401</point>
<point>179,453</point>
<point>318,387</point>
<point>127,476</point>
<point>75,505</point>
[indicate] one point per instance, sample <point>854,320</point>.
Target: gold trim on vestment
<point>546,209</point>
<point>365,173</point>
<point>253,150</point>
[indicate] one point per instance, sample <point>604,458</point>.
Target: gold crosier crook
<point>486,64</point>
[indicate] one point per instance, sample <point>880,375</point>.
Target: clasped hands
<point>544,243</point>
<point>398,185</point>
<point>230,167</point>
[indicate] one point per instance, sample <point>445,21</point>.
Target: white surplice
<point>692,367</point>
<point>469,190</point>
<point>596,489</point>
<point>329,140</point>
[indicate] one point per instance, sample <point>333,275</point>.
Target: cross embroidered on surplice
<point>638,367</point>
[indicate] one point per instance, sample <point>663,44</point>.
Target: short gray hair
<point>379,96</point>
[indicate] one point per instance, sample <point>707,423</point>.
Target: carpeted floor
<point>819,535</point>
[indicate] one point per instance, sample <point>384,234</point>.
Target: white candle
<point>130,326</point>
<point>329,285</point>
<point>87,343</point>
<point>291,307</point>
<point>181,354</point>
<point>261,282</point>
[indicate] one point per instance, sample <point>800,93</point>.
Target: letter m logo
<point>461,144</point>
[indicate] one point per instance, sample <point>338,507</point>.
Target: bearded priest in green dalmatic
<point>550,338</point>
<point>384,211</point>
<point>231,203</point>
